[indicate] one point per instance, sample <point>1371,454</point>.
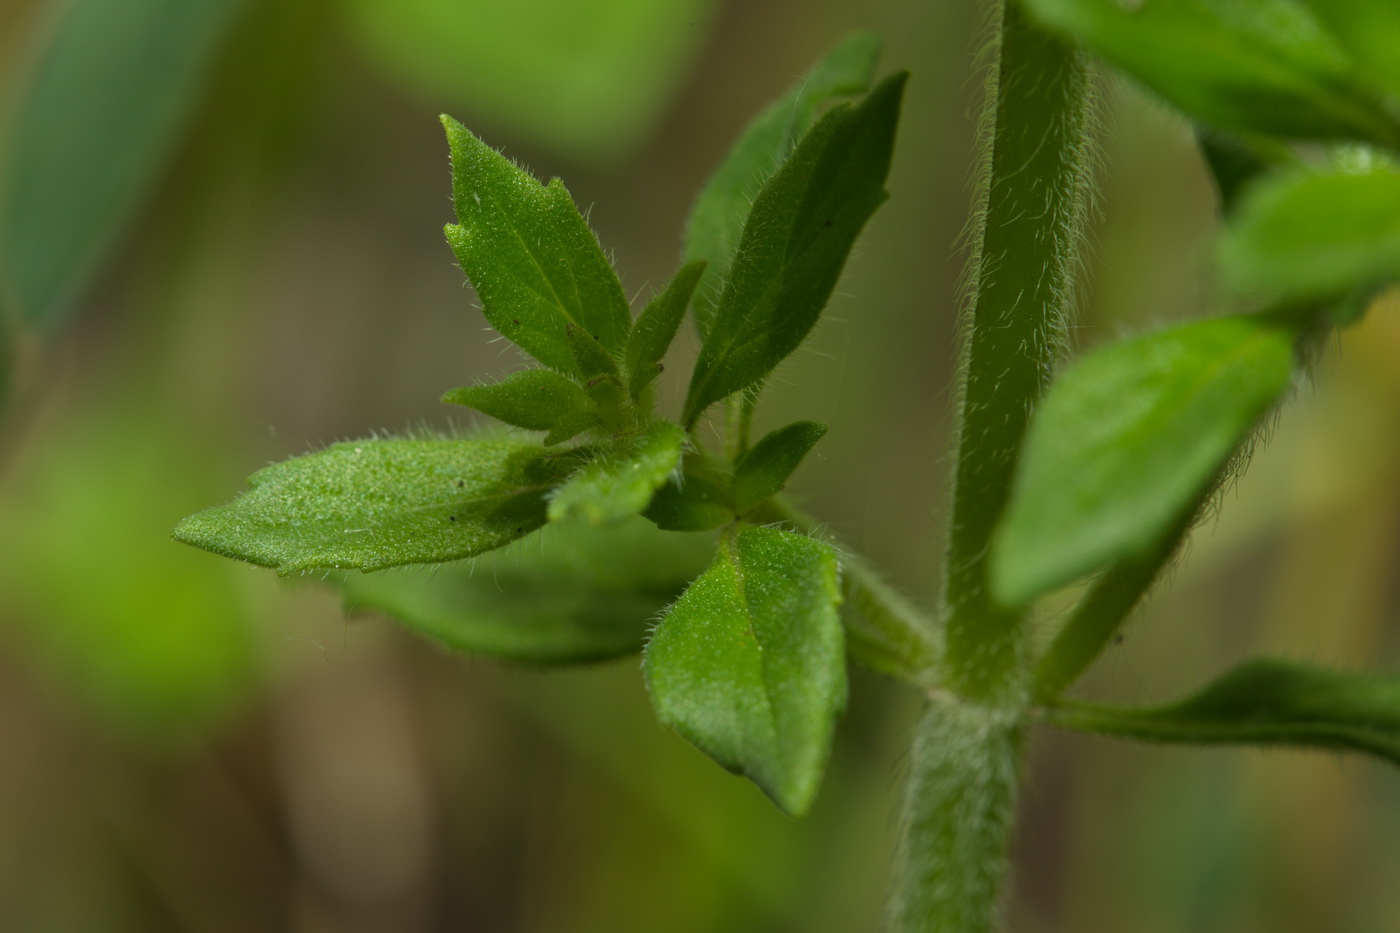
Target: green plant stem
<point>959,808</point>
<point>1028,235</point>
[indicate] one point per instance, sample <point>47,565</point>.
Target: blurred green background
<point>221,246</point>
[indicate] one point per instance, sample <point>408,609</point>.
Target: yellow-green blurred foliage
<point>187,743</point>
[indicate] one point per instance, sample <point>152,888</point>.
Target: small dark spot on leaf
<point>461,483</point>
<point>660,368</point>
<point>828,223</point>
<point>519,530</point>
<point>451,518</point>
<point>515,321</point>
<point>1118,639</point>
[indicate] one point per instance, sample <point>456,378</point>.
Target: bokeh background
<point>236,256</point>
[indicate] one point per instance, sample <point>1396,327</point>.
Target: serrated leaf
<point>795,242</point>
<point>691,502</point>
<point>764,469</point>
<point>1256,66</point>
<point>534,399</point>
<point>100,117</point>
<point>620,483</point>
<point>1126,440</point>
<point>569,593</point>
<point>1369,31</point>
<point>1303,236</point>
<point>372,504</point>
<point>530,255</point>
<point>749,663</point>
<point>1264,702</point>
<point>717,219</point>
<point>656,327</point>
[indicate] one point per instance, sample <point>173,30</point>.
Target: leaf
<point>1303,236</point>
<point>1369,31</point>
<point>372,504</point>
<point>1264,702</point>
<point>568,594</point>
<point>1233,165</point>
<point>691,502</point>
<point>619,485</point>
<point>100,117</point>
<point>656,327</point>
<point>749,663</point>
<point>535,399</point>
<point>1254,66</point>
<point>717,220</point>
<point>530,256</point>
<point>1126,441</point>
<point>795,242</point>
<point>764,469</point>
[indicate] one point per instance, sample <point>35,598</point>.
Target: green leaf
<point>103,111</point>
<point>530,255</point>
<point>795,242</point>
<point>1263,702</point>
<point>569,593</point>
<point>1303,236</point>
<point>765,468</point>
<point>619,484</point>
<point>656,327</point>
<point>1369,31</point>
<point>535,399</point>
<point>749,663</point>
<point>1256,66</point>
<point>691,502</point>
<point>717,220</point>
<point>372,504</point>
<point>1126,441</point>
<point>1233,165</point>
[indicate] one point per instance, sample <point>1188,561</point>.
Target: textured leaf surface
<point>765,468</point>
<point>569,593</point>
<point>1126,441</point>
<point>717,220</point>
<point>749,663</point>
<point>619,484</point>
<point>656,327</point>
<point>530,256</point>
<point>1267,702</point>
<point>535,399</point>
<point>1262,66</point>
<point>795,243</point>
<point>103,111</point>
<point>1303,236</point>
<point>377,503</point>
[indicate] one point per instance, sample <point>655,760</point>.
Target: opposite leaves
<point>379,503</point>
<point>749,663</point>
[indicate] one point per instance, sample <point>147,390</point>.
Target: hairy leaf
<point>567,594</point>
<point>103,111</point>
<point>717,220</point>
<point>1256,66</point>
<point>795,242</point>
<point>765,468</point>
<point>749,663</point>
<point>620,483</point>
<point>1315,235</point>
<point>1264,702</point>
<point>1369,30</point>
<point>372,504</point>
<point>535,399</point>
<point>1129,438</point>
<point>530,256</point>
<point>656,327</point>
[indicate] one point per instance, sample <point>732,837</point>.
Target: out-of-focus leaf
<point>372,504</point>
<point>656,327</point>
<point>1233,165</point>
<point>530,255</point>
<point>620,483</point>
<point>103,110</point>
<point>1264,702</point>
<point>795,242</point>
<point>1302,236</point>
<point>569,593</point>
<point>1126,440</point>
<point>534,399</point>
<point>586,78</point>
<point>1256,66</point>
<point>749,664</point>
<point>1369,30</point>
<point>691,502</point>
<point>717,220</point>
<point>764,469</point>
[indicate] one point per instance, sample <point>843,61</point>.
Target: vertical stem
<point>1028,234</point>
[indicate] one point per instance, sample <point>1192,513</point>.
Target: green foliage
<point>764,469</point>
<point>1127,441</point>
<point>535,399</point>
<point>656,327</point>
<point>620,483</point>
<point>748,664</point>
<point>1369,31</point>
